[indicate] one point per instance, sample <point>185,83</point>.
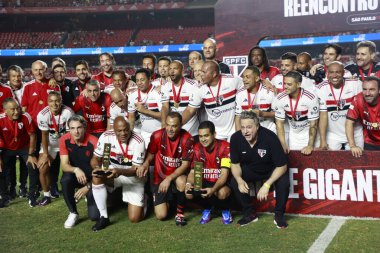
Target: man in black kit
<point>257,155</point>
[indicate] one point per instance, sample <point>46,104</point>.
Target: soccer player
<point>82,71</point>
<point>95,108</point>
<point>171,149</point>
<point>149,61</point>
<point>52,123</point>
<point>126,154</point>
<point>300,108</point>
<point>258,57</point>
<point>65,84</point>
<point>15,76</point>
<point>303,63</point>
<point>256,97</point>
<point>209,52</point>
<point>214,154</point>
<point>144,106</point>
<point>194,57</point>
<point>218,96</point>
<point>335,97</point>
<point>163,70</point>
<point>17,138</point>
<point>76,151</point>
<point>256,156</point>
<point>176,95</point>
<point>119,106</point>
<point>107,62</point>
<point>198,71</point>
<point>34,97</point>
<point>119,80</point>
<point>365,61</point>
<point>5,92</point>
<point>365,109</point>
<point>289,63</point>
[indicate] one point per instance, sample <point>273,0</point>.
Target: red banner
<point>332,183</point>
<point>101,8</point>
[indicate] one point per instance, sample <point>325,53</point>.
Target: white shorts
<point>337,145</point>
<point>133,189</point>
<point>52,153</point>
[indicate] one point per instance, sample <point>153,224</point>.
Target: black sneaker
<point>247,219</point>
<point>33,202</point>
<point>180,219</point>
<point>54,192</point>
<point>23,193</point>
<point>4,202</point>
<point>45,201</point>
<point>101,224</point>
<point>280,222</point>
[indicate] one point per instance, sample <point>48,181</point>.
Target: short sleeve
<point>234,148</point>
<point>43,123</point>
<point>99,150</point>
<point>139,153</point>
<point>196,98</point>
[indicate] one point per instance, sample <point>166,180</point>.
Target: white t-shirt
<point>278,82</point>
<point>220,108</point>
<point>45,123</point>
<point>167,96</point>
<point>262,101</point>
<point>116,111</point>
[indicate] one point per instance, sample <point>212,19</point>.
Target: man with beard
<point>365,61</point>
<point>175,96</point>
<point>209,52</point>
<point>258,57</point>
<point>82,71</point>
<point>66,85</point>
<point>365,109</point>
<point>303,64</point>
<point>256,156</point>
<point>106,62</point>
<point>194,57</point>
<point>255,97</point>
<point>335,97</point>
<point>149,61</point>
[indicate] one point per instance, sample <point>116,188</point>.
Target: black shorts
<point>163,197</point>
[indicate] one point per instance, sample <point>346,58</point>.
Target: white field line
<point>327,216</point>
<point>328,234</point>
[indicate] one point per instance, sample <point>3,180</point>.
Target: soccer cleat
<point>247,219</point>
<point>180,219</point>
<point>206,216</point>
<point>23,193</point>
<point>280,222</point>
<point>71,221</point>
<point>45,201</point>
<point>101,224</point>
<point>33,201</point>
<point>226,217</point>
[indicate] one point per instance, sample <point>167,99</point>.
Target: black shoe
<point>45,201</point>
<point>33,202</point>
<point>247,219</point>
<point>23,193</point>
<point>4,202</point>
<point>280,222</point>
<point>180,219</point>
<point>54,192</point>
<point>101,224</point>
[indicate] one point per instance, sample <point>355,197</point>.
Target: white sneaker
<point>71,220</point>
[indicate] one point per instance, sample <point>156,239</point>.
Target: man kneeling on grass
<point>256,155</point>
<point>216,163</point>
<point>127,152</point>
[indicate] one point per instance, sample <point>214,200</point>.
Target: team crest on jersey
<point>20,125</point>
<point>341,104</point>
<point>217,160</point>
<point>1,94</point>
<point>103,108</point>
<point>298,115</point>
<point>220,100</point>
<point>67,88</point>
<point>261,152</point>
<point>120,158</point>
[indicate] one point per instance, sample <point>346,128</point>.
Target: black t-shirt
<point>67,91</point>
<point>354,69</point>
<point>263,157</point>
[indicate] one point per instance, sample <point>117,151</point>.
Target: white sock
<point>100,196</point>
<point>47,194</point>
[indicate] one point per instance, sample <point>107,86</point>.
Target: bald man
<point>198,70</point>
<point>335,97</point>
<point>119,106</point>
<point>218,96</point>
<point>209,52</point>
<point>304,63</point>
<point>126,155</point>
<point>175,96</point>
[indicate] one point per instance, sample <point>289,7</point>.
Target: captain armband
<point>225,163</point>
